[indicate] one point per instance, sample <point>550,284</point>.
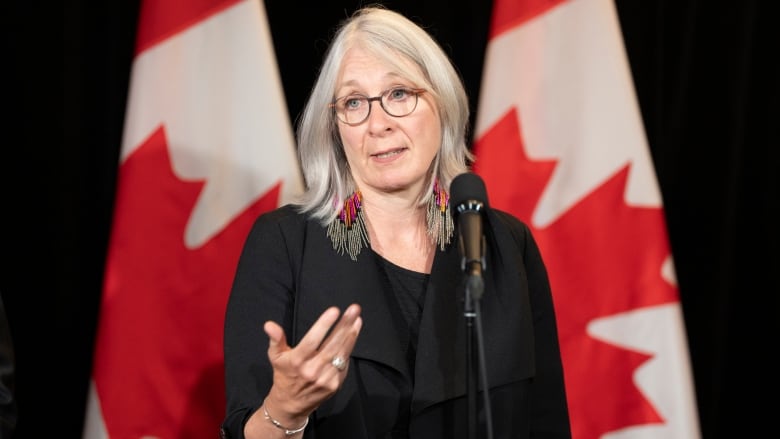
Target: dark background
<point>706,75</point>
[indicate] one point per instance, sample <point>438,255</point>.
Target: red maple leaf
<point>603,258</point>
<point>158,362</point>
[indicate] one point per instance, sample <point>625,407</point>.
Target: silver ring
<point>339,363</point>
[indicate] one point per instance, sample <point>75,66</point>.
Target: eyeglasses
<point>355,108</point>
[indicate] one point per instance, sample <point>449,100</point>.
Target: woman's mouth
<point>390,153</point>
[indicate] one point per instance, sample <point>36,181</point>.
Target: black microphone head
<point>467,188</point>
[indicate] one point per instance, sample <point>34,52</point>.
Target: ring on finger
<point>339,363</point>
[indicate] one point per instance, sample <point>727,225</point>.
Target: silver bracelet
<point>287,431</point>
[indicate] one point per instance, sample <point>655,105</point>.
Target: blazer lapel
<point>441,351</point>
<point>379,326</point>
<point>329,279</point>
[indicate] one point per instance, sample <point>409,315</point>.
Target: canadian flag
<point>207,146</point>
<point>560,143</point>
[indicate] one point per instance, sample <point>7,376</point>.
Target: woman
<point>380,140</point>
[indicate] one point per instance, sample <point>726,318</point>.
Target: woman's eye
<point>399,93</point>
<point>352,103</point>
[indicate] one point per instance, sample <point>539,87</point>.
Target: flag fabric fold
<point>560,143</point>
<point>207,147</point>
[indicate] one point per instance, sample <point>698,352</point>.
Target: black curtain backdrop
<point>706,75</point>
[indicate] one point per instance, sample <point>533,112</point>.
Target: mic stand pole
<point>475,353</point>
<point>472,283</point>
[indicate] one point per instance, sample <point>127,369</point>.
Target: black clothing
<point>289,273</point>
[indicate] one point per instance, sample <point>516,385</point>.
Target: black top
<point>408,289</point>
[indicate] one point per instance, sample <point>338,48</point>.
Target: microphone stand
<point>475,351</point>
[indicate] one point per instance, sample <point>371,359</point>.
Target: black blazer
<point>289,272</point>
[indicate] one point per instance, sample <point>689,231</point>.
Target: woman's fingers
<point>340,359</point>
<point>313,338</point>
<point>336,350</point>
<point>327,345</point>
<point>310,372</point>
<point>343,338</point>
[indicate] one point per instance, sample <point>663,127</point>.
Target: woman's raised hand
<point>311,372</point>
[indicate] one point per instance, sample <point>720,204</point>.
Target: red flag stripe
<point>159,19</point>
<point>508,15</point>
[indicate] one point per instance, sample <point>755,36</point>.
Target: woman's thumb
<point>277,341</point>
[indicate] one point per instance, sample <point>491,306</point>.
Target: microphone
<point>469,198</point>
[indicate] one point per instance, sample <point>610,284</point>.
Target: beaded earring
<point>440,223</point>
<point>348,230</point>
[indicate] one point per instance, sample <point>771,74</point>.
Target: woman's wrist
<point>290,428</point>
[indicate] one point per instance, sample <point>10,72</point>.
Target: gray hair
<point>385,34</point>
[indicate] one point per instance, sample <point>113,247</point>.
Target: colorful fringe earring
<point>440,223</point>
<point>348,232</point>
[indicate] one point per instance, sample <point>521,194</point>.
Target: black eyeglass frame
<point>415,91</point>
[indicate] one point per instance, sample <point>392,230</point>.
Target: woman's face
<point>386,153</point>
